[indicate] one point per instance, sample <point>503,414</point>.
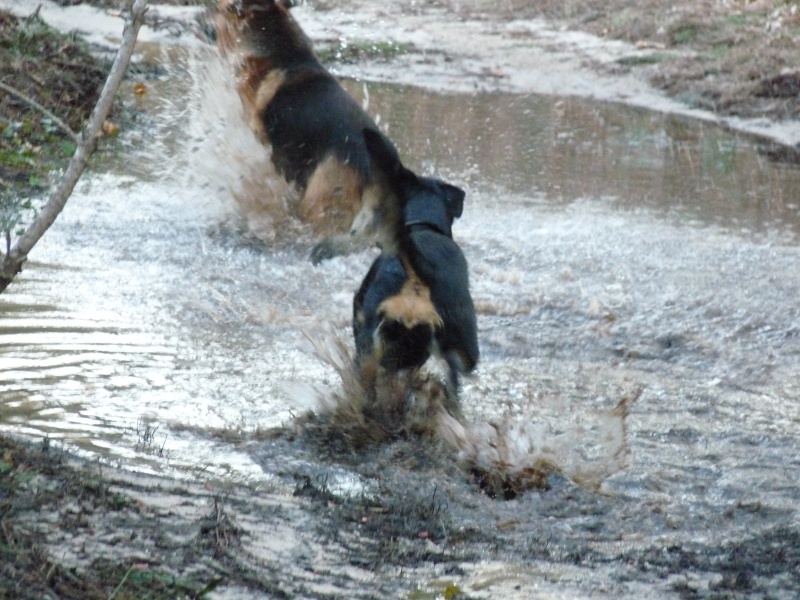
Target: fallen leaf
<point>110,128</point>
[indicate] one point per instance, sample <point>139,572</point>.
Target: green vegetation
<point>641,59</point>
<point>684,33</point>
<point>29,151</point>
<point>740,19</point>
<point>355,51</point>
<point>48,85</point>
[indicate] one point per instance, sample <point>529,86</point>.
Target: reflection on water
<point>605,248</point>
<point>526,147</point>
<point>571,148</point>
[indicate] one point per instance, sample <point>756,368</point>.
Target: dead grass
<point>55,70</point>
<point>218,530</point>
<point>389,524</point>
<point>58,73</point>
<point>728,54</point>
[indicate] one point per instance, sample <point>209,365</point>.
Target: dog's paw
<point>325,250</point>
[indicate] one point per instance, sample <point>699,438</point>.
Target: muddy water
<point>608,247</point>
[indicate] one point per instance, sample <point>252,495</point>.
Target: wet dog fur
<point>313,126</point>
<point>415,302</point>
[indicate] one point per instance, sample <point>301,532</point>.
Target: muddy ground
<point>733,58</point>
<point>71,529</point>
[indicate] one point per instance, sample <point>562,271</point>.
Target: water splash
<point>218,152</point>
<point>506,456</point>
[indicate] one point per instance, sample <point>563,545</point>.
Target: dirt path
<point>729,63</point>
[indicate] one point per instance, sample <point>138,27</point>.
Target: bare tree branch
<point>39,107</point>
<point>11,263</point>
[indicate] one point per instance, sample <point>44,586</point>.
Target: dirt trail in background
<point>733,63</point>
<point>736,57</point>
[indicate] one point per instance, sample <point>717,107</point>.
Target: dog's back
<point>415,299</point>
<point>311,119</point>
<point>440,263</point>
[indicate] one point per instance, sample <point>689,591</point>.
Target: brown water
<point>608,247</point>
<point>565,149</point>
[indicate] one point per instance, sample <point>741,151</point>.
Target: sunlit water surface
<point>608,247</point>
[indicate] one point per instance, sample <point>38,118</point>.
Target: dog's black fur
<point>426,265</point>
<point>312,124</point>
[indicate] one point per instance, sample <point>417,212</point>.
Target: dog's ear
<point>244,6</point>
<point>454,199</point>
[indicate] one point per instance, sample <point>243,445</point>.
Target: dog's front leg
<point>337,245</point>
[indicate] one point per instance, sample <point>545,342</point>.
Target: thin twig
<point>6,535</point>
<point>49,572</point>
<point>34,15</point>
<point>210,562</point>
<point>121,583</point>
<point>11,263</point>
<point>66,128</point>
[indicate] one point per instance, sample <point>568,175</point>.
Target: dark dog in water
<point>312,124</point>
<point>415,300</point>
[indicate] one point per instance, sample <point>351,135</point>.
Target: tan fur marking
<point>370,201</point>
<point>229,26</point>
<point>332,197</point>
<point>378,217</point>
<point>412,306</point>
<point>264,94</point>
<point>225,5</point>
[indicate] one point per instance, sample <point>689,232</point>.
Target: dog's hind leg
<point>366,228</point>
<point>332,196</point>
<point>455,366</point>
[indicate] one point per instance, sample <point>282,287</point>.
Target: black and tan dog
<point>312,124</point>
<point>415,299</point>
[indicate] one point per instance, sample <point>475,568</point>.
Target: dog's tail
<point>394,179</point>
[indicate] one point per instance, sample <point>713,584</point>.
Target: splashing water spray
<point>505,456</point>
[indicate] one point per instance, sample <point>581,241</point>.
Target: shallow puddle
<point>608,247</point>
<point>567,149</point>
